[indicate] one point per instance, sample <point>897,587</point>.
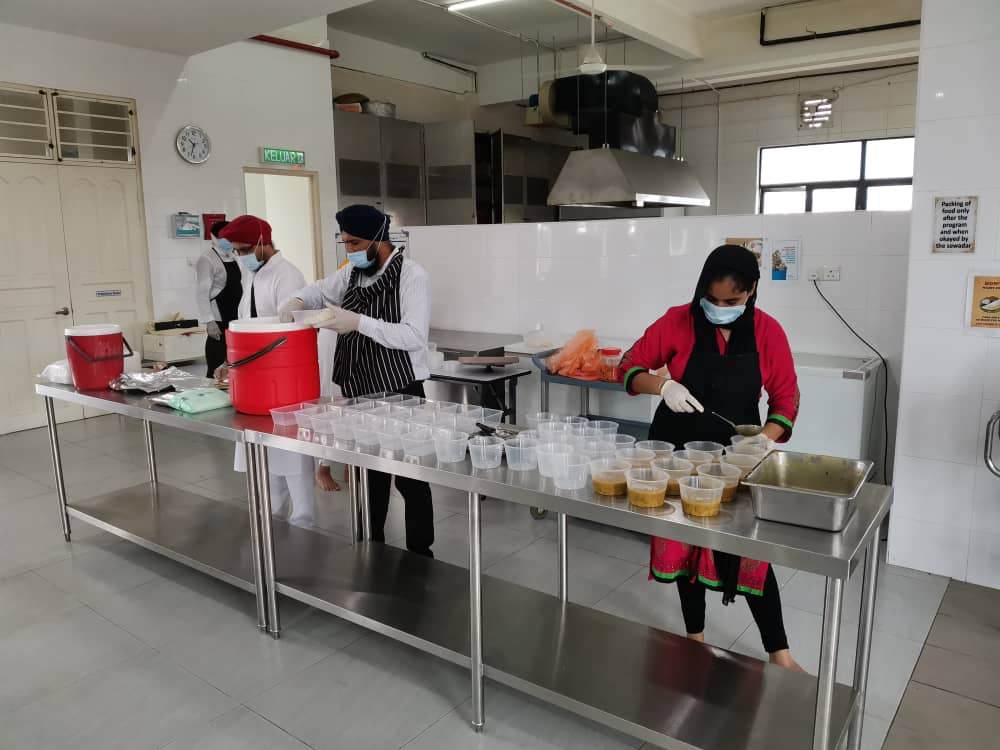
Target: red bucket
<point>96,355</point>
<point>271,364</point>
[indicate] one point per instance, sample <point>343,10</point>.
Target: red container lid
<point>612,352</point>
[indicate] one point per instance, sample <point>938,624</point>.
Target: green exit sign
<point>285,156</point>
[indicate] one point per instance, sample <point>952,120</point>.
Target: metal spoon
<point>744,430</point>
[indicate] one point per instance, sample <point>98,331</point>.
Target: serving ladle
<point>744,430</point>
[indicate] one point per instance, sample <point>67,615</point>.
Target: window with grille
<point>873,175</point>
<point>24,123</point>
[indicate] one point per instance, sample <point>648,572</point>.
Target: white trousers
<point>294,497</point>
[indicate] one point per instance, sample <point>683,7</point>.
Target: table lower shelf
<point>654,685</point>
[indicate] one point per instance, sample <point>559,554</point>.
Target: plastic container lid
<point>265,325</point>
<point>610,352</point>
<point>93,329</point>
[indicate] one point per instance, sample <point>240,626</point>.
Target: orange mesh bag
<point>578,358</point>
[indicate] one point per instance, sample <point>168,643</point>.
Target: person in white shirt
<point>380,309</point>
<point>273,281</point>
<point>220,289</point>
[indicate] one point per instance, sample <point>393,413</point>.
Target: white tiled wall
<point>720,136</point>
<point>617,276</point>
<point>946,518</point>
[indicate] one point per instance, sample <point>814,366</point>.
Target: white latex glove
<point>286,310</point>
<point>341,320</point>
<point>213,330</point>
<point>679,399</point>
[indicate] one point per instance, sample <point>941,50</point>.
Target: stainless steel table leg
<point>253,501</point>
<point>828,663</point>
<point>147,435</point>
<point>476,612</point>
<point>563,554</point>
<point>366,508</point>
<point>865,629</point>
<point>512,399</point>
<point>543,395</point>
<point>355,498</point>
<point>267,541</point>
<point>50,418</point>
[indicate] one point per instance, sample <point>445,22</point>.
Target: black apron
<point>228,302</point>
<point>360,364</point>
<point>729,384</point>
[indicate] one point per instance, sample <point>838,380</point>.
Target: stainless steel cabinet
<point>449,148</point>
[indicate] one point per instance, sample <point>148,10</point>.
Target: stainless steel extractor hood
<point>612,177</point>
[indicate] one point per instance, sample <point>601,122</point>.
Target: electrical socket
<point>825,273</point>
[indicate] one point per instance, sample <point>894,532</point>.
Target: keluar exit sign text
<point>286,156</point>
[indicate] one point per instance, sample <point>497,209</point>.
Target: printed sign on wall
<point>754,244</point>
<point>785,257</point>
<point>955,224</point>
<point>984,301</point>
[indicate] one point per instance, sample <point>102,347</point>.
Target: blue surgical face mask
<point>250,262</point>
<point>360,259</point>
<point>223,245</point>
<point>722,316</point>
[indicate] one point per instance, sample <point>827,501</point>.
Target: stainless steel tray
<point>806,489</point>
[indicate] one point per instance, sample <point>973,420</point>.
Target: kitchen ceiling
<point>722,7</point>
<point>419,26</point>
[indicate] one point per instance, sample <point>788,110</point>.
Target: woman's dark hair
<point>728,261</point>
<point>217,227</point>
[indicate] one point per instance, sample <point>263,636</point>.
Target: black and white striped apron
<point>361,365</point>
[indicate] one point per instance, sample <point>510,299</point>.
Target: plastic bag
<point>197,400</point>
<point>153,381</point>
<point>579,358</point>
<point>57,372</point>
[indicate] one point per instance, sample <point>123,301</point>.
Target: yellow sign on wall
<point>984,302</point>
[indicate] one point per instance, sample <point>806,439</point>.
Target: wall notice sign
<point>754,244</point>
<point>785,257</point>
<point>102,293</point>
<point>285,156</point>
<point>984,301</point>
<point>207,220</point>
<point>955,224</point>
<point>185,226</point>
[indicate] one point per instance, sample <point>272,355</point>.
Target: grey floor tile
<point>657,604</point>
<point>451,541</point>
<point>374,694</point>
<point>514,517</point>
<point>965,675</point>
<point>967,602</point>
<point>143,702</point>
<point>873,732</point>
<point>904,738</point>
<point>92,573</point>
<point>591,576</point>
<point>83,489</point>
<point>605,540</point>
<point>395,520</point>
<point>966,637</point>
<point>14,486</point>
<point>226,484</point>
<point>451,500</point>
<point>239,729</point>
<point>243,662</point>
<point>27,598</point>
<point>97,427</point>
<point>58,651</point>
<point>947,717</point>
<point>515,721</point>
<point>79,465</point>
<point>194,468</point>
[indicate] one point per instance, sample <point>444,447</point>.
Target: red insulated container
<point>271,364</point>
<point>96,355</point>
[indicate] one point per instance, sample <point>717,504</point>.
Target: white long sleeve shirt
<point>272,284</point>
<point>211,273</point>
<point>410,334</point>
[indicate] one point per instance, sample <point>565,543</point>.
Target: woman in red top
<point>716,354</point>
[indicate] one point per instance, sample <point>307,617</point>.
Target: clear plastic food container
<point>675,469</point>
<point>303,415</point>
<point>598,448</point>
<point>661,448</point>
<point>638,458</point>
<point>575,420</point>
<point>570,471</point>
<point>418,442</point>
<point>445,420</point>
<point>423,418</point>
<point>623,441</point>
<point>696,457</point>
<point>486,452</point>
<point>284,416</point>
<point>762,440</point>
<point>390,436</point>
<point>322,428</point>
<point>701,496</point>
<point>491,417</point>
<point>529,435</point>
<point>400,412</point>
<point>412,402</point>
<point>390,399</point>
<point>608,476</point>
<point>547,431</point>
<point>748,449</point>
<point>705,446</point>
<point>446,407</point>
<point>468,416</point>
<point>541,416</point>
<point>361,403</point>
<point>744,461</point>
<point>522,453</point>
<point>730,476</point>
<point>647,488</point>
<point>547,453</point>
<point>606,426</point>
<point>450,445</point>
<point>343,430</point>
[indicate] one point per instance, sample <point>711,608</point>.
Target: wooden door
<point>106,247</point>
<point>35,299</point>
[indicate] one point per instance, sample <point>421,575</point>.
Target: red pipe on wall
<point>330,53</point>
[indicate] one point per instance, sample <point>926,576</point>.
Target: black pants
<point>417,496</point>
<point>766,610</point>
<point>215,351</point>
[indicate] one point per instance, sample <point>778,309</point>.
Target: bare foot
<point>784,659</point>
<point>699,637</point>
<point>325,479</point>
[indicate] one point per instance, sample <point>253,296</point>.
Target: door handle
<point>62,311</point>
<point>992,427</point>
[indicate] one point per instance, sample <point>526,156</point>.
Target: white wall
<point>619,275</point>
<point>246,95</point>
<point>946,517</point>
<point>285,201</point>
<point>721,135</point>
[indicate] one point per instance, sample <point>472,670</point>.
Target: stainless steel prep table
<point>651,684</point>
<point>637,679</point>
<point>218,539</point>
